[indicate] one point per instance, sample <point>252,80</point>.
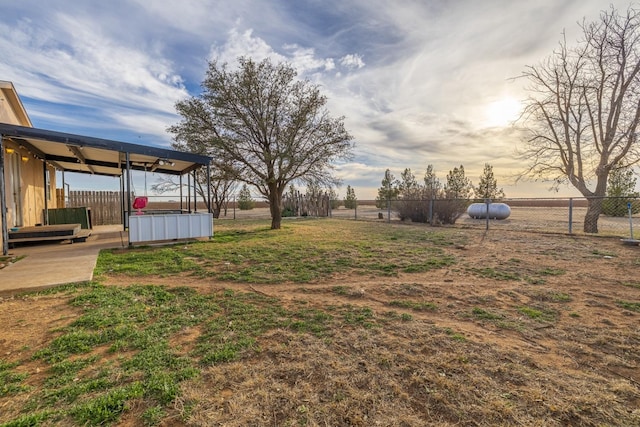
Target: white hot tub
<point>152,228</point>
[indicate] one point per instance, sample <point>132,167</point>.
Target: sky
<point>418,82</point>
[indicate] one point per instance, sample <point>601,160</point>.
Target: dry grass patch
<point>405,374</point>
<point>516,329</point>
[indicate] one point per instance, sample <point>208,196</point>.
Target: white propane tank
<point>496,211</point>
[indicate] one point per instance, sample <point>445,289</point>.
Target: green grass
<point>537,313</point>
<point>406,317</point>
<point>128,352</point>
<point>341,290</point>
<point>513,270</point>
<point>498,319</point>
<point>125,348</point>
<point>362,316</point>
<point>598,253</point>
<point>632,284</point>
<point>251,252</point>
<point>482,314</point>
<point>629,305</point>
<point>456,336</point>
<point>560,297</point>
<point>551,272</point>
<point>10,381</point>
<point>4,259</point>
<point>552,296</point>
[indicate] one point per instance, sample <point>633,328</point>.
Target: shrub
<point>447,211</point>
<point>350,200</point>
<point>618,206</point>
<point>620,192</point>
<point>388,190</point>
<point>245,201</point>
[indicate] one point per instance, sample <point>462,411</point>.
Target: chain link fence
<point>543,215</point>
<point>546,215</point>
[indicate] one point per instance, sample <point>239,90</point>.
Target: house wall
<point>31,198</point>
<point>7,115</point>
<point>31,186</point>
<point>31,170</point>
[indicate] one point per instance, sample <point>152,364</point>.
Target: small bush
<point>447,211</point>
<point>245,201</point>
<point>617,206</point>
<point>350,201</point>
<point>414,210</point>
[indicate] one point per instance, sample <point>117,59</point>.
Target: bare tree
<point>274,128</point>
<point>584,108</point>
<point>223,172</point>
<point>222,186</point>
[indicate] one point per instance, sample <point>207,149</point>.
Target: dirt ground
<point>578,368</point>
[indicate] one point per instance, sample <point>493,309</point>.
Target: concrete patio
<point>54,263</point>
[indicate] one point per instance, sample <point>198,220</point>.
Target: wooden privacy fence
<point>105,205</point>
<point>299,204</point>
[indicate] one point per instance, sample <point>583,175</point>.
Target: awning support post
<point>122,207</point>
<point>3,202</point>
<point>181,195</point>
<point>47,191</point>
<point>195,195</point>
<point>128,212</point>
<point>209,187</point>
<point>189,192</point>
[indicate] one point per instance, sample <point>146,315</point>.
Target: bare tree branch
<point>583,109</point>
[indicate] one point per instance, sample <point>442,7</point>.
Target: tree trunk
<point>275,205</point>
<point>593,213</point>
<point>217,207</point>
<point>595,199</point>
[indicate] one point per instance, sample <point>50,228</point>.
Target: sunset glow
<point>503,112</point>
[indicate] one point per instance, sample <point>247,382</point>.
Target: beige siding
<point>31,186</point>
<point>11,109</point>
<point>31,180</point>
<point>7,115</point>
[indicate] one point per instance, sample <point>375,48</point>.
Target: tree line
<point>448,201</point>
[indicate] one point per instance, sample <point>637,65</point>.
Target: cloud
<point>73,63</point>
<point>305,60</point>
<point>413,79</point>
<point>242,43</point>
<point>352,61</point>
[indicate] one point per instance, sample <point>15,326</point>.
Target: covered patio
<point>95,156</point>
<point>53,261</point>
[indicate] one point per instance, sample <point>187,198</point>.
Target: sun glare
<point>502,113</point>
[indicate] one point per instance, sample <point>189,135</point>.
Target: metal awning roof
<point>85,154</point>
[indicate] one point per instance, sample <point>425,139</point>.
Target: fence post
<point>487,203</point>
<point>388,210</point>
<point>431,203</point>
<point>570,215</point>
<point>630,220</point>
<point>355,209</point>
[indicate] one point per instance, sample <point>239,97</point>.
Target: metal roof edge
<point>106,144</point>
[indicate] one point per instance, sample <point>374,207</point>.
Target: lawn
<point>333,322</point>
